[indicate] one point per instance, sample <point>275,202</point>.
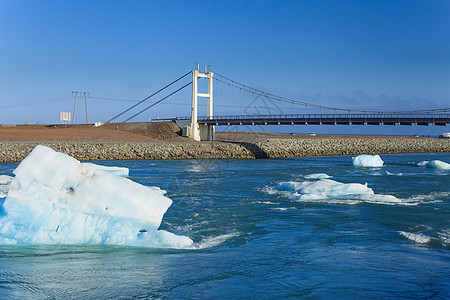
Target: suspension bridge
<point>254,106</point>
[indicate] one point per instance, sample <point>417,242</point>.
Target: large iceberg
<point>366,160</point>
<point>55,199</point>
<point>435,164</point>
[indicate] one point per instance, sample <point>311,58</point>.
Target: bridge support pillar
<point>201,132</point>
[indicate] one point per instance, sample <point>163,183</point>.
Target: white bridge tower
<point>202,132</point>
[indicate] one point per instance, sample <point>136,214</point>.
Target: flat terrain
<point>116,132</point>
<point>163,140</point>
<point>135,132</point>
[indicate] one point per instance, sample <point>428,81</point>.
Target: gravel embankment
<point>270,148</point>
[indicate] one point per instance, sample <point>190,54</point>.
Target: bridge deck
<point>328,119</point>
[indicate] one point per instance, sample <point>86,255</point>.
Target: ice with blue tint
<point>366,160</point>
<point>435,164</point>
<point>323,188</point>
<point>330,191</point>
<point>55,199</point>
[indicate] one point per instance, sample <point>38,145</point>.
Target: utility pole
<point>75,105</point>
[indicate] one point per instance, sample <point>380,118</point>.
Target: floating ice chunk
<point>383,199</point>
<point>55,199</point>
<point>423,163</point>
<point>435,164</point>
<point>324,188</point>
<point>330,191</point>
<point>365,160</point>
<point>418,238</point>
<point>5,182</point>
<point>317,176</point>
<point>307,197</point>
<point>393,174</point>
<point>291,186</point>
<point>118,171</point>
<point>350,189</point>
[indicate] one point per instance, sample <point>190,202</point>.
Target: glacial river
<point>254,241</point>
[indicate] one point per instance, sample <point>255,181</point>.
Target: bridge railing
<point>330,116</point>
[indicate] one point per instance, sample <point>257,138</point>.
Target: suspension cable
<point>249,89</point>
<point>145,99</point>
<point>162,99</point>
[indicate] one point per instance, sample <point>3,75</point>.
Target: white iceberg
<point>435,164</point>
<point>330,191</point>
<point>366,160</point>
<point>55,199</point>
<point>323,188</point>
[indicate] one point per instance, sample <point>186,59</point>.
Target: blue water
<point>253,242</point>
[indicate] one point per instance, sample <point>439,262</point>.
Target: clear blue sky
<point>351,54</point>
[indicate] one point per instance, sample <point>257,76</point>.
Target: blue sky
<point>350,54</point>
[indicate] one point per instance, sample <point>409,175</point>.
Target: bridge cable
<point>145,99</point>
<point>249,89</point>
<point>274,97</point>
<point>162,99</point>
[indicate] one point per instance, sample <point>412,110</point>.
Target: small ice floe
<point>317,176</point>
<point>330,191</point>
<point>283,208</point>
<point>434,164</point>
<point>393,174</point>
<point>366,160</point>
<point>56,199</point>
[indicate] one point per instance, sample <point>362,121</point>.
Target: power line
<point>114,99</point>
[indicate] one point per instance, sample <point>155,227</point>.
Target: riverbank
<point>163,140</point>
<point>15,151</point>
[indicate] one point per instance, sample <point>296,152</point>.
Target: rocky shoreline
<point>269,148</point>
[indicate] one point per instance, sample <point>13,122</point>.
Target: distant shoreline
<point>162,140</point>
<point>16,151</point>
